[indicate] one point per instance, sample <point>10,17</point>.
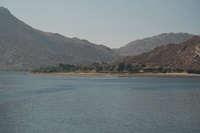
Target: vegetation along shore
<point>106,69</point>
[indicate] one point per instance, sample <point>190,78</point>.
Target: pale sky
<point>113,23</point>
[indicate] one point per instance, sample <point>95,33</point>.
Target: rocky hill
<point>185,55</point>
<point>143,45</point>
<point>23,47</point>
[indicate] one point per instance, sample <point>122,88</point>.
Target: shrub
<point>195,71</point>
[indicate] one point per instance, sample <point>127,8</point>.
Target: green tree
<point>143,65</point>
<point>195,71</point>
<point>121,66</point>
<point>84,68</point>
<point>129,66</point>
<point>98,68</point>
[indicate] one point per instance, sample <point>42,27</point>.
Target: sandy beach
<point>121,74</point>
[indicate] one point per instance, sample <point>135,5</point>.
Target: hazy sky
<point>110,22</point>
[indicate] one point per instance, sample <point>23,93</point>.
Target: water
<point>59,104</point>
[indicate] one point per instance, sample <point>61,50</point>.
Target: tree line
<point>104,67</point>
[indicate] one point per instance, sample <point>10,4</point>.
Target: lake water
<point>61,104</point>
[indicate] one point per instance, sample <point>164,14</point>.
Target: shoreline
<point>120,74</point>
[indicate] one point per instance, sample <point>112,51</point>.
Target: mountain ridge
<point>140,46</point>
<point>185,55</point>
<point>23,47</point>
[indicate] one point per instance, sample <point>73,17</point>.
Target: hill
<point>185,55</point>
<point>23,47</point>
<point>143,45</point>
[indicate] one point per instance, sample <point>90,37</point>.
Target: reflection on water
<point>49,104</point>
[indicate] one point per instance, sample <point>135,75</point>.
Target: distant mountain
<point>23,47</point>
<point>185,55</point>
<point>143,45</point>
